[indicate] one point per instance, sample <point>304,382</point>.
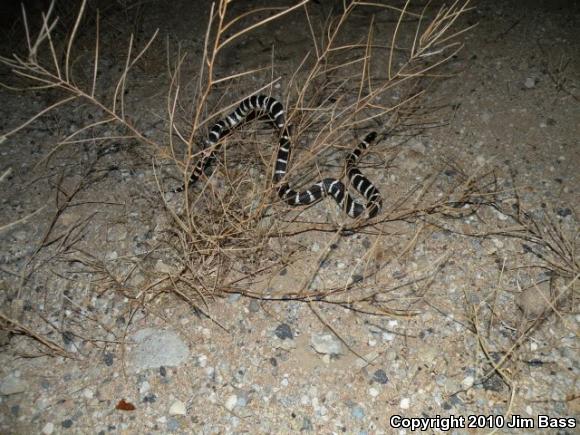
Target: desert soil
<point>82,353</point>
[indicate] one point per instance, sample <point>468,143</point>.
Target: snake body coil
<point>261,104</point>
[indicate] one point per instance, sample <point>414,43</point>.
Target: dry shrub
<point>232,234</point>
<point>232,230</point>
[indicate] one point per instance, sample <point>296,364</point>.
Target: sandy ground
<point>83,353</point>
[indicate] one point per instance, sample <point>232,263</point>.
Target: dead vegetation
<point>232,235</point>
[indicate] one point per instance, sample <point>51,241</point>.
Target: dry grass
<point>232,235</point>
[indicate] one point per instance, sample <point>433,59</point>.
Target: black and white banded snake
<point>261,104</point>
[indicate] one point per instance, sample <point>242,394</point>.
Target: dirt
<point>474,317</point>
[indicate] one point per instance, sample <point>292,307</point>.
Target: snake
<point>261,105</point>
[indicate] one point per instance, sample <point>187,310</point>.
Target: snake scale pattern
<point>265,105</point>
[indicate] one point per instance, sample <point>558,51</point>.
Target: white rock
<point>468,382</point>
<point>373,392</point>
<point>48,428</point>
<point>498,243</point>
<point>405,403</point>
<point>231,402</point>
<point>387,336</point>
<point>177,408</point>
<point>530,83</point>
<point>157,347</point>
<point>326,343</point>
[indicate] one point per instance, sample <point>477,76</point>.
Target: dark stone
<point>108,359</point>
<point>357,278</point>
<point>563,212</point>
<point>67,423</point>
<point>68,338</point>
<point>380,376</point>
<point>493,383</point>
<point>150,398</point>
<point>283,332</point>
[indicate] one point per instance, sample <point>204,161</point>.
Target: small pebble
<point>144,388</point>
<point>231,402</point>
<point>284,332</point>
<point>387,336</point>
<point>530,83</point>
<point>405,403</point>
<point>468,382</point>
<point>172,425</point>
<point>234,297</point>
<point>177,408</point>
<point>108,359</point>
<point>356,278</point>
<point>357,412</point>
<point>326,343</point>
<point>150,398</point>
<point>564,211</point>
<point>254,306</point>
<point>380,376</point>
<point>242,400</point>
<point>48,428</point>
<point>373,392</point>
